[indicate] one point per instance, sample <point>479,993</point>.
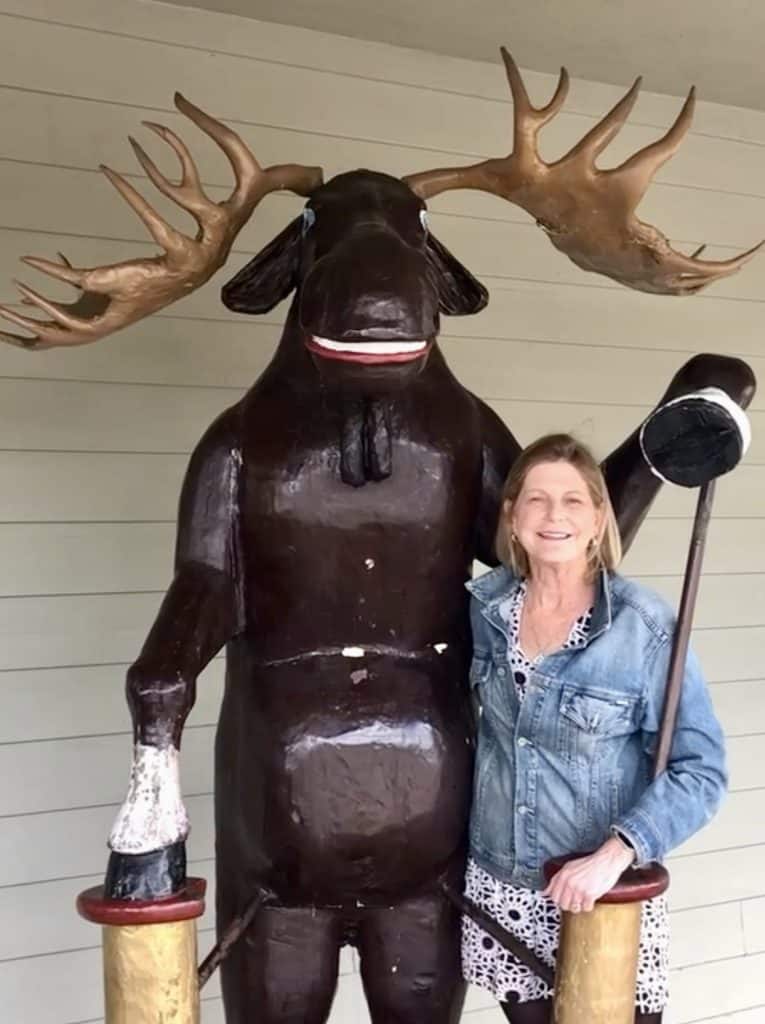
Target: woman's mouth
<point>553,535</point>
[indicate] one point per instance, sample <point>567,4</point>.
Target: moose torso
<point>351,778</point>
<point>330,565</point>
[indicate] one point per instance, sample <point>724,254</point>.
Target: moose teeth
<point>377,348</point>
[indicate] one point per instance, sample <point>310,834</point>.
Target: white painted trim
<point>153,815</point>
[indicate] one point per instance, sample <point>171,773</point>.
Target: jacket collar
<point>495,587</point>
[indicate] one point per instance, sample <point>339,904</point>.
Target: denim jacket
<point>556,773</point>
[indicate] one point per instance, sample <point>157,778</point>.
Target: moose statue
<point>327,525</point>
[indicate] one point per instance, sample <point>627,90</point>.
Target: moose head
<point>370,281</point>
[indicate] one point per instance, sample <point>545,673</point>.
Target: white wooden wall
<point>93,441</point>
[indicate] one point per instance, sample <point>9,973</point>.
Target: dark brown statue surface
<point>327,524</point>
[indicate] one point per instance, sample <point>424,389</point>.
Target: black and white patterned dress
<point>533,917</point>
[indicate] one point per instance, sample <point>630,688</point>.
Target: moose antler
<point>588,213</point>
<point>119,294</point>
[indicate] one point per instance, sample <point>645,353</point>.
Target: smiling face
<point>554,516</point>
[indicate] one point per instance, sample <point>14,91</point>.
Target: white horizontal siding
<point>71,487</point>
<point>94,441</point>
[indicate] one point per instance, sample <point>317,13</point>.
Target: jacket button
<point>523,809</point>
<point>501,671</point>
<point>522,741</point>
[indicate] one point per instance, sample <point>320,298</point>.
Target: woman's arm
<point>674,806</point>
<point>686,796</point>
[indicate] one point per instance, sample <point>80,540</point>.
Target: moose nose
<point>371,286</point>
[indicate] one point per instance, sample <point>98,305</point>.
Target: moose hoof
<point>695,438</point>
<point>146,876</point>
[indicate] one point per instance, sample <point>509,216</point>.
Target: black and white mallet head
<point>695,438</point>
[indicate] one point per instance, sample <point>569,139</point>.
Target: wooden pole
<point>233,934</point>
<point>683,629</point>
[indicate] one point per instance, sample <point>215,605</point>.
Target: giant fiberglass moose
<point>327,524</point>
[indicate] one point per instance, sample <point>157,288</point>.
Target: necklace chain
<point>556,639</point>
<point>545,646</point>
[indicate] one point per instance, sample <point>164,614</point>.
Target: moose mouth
<point>369,352</point>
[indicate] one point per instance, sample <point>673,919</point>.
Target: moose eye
<point>424,220</point>
<point>309,219</point>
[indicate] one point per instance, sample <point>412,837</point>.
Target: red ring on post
<point>634,886</point>
<point>181,906</point>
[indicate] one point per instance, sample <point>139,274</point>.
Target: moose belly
<point>363,788</point>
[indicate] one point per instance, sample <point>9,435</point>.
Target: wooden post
<point>597,965</point>
<point>596,970</point>
<point>150,955</point>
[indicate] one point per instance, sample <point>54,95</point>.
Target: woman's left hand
<point>581,882</point>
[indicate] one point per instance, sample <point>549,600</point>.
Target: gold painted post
<point>150,955</point>
<point>596,969</point>
<point>597,966</point>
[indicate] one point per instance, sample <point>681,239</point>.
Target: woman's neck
<point>558,587</point>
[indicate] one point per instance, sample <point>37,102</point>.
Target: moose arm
<point>499,451</point>
<point>197,616</point>
<point>201,611</point>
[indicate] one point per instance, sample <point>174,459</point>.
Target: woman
<point>569,666</point>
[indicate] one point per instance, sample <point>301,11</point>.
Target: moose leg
<point>284,969</point>
<point>631,484</point>
<point>410,962</point>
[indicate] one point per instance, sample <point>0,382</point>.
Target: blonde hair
<point>606,553</point>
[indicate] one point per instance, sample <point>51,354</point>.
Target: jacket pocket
<point>591,723</point>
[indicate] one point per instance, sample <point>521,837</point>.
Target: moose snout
<point>371,286</point>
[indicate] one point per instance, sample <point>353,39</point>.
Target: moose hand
<point>700,430</point>
<point>148,858</point>
<point>159,705</point>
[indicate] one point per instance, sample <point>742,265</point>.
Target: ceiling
<point>673,43</point>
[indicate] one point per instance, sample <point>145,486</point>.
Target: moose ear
<point>269,277</point>
<point>459,293</point>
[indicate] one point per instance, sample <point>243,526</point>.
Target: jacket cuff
<point>640,832</point>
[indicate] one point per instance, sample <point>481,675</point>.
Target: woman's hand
<point>581,882</point>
